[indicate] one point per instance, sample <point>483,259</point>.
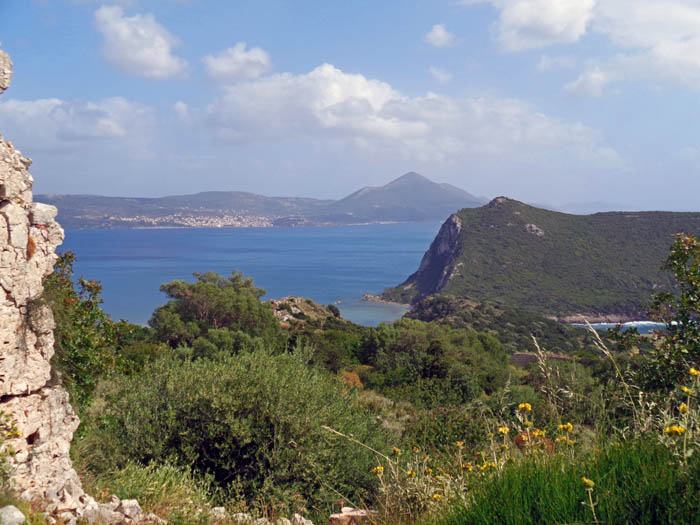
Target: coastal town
<point>181,220</point>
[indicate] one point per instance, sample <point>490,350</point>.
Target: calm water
<point>643,327</point>
<point>326,264</point>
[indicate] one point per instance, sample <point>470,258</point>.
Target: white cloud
<point>138,44</point>
<point>370,115</point>
<point>439,36</point>
<point>529,24</point>
<point>659,40</point>
<point>48,124</point>
<point>237,63</point>
<point>440,75</point>
<point>548,63</point>
<point>591,82</point>
<point>182,110</point>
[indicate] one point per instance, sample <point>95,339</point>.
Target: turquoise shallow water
<point>326,264</point>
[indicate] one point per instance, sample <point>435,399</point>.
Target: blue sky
<point>547,101</point>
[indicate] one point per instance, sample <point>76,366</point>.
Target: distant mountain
<point>411,197</point>
<point>601,265</point>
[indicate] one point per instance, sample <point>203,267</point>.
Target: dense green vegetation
<point>552,263</point>
<point>252,423</point>
<point>513,327</point>
<point>285,407</point>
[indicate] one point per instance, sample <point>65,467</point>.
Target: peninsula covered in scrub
<point>601,267</point>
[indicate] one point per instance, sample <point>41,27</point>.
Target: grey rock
<point>130,508</point>
<point>218,513</point>
<point>241,518</point>
<point>102,514</point>
<point>42,213</point>
<point>11,515</point>
<point>5,71</point>
<point>298,519</point>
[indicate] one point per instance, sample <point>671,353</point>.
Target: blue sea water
<point>325,264</point>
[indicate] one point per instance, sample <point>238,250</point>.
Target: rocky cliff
<point>40,410</point>
<point>40,465</point>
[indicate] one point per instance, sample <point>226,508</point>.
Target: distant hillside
<point>95,211</point>
<point>411,197</point>
<point>601,265</point>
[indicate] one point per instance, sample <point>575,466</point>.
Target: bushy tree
<point>210,304</point>
<point>431,364</point>
<point>678,346</point>
<point>86,339</point>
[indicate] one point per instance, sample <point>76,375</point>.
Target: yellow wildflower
<point>674,430</point>
<point>538,433</point>
<point>459,444</point>
<point>467,466</point>
<point>567,427</point>
<point>378,470</point>
<point>397,451</point>
<point>683,408</point>
<point>503,430</point>
<point>411,473</point>
<point>437,497</point>
<point>694,372</point>
<point>525,407</point>
<point>429,470</point>
<point>588,482</point>
<point>686,390</point>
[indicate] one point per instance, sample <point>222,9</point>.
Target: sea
<point>336,264</point>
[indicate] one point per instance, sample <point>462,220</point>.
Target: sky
<point>547,101</point>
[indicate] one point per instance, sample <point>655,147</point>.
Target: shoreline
<point>582,319</point>
<point>371,298</point>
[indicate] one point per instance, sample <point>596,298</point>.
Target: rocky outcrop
<point>40,465</point>
<point>438,266</point>
<point>5,71</point>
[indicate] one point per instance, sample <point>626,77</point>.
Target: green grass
<point>636,482</point>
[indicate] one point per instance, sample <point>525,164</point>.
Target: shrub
<point>252,422</point>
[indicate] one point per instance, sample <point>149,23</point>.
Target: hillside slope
<point>606,264</point>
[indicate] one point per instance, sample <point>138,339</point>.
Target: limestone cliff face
<point>41,466</point>
<point>437,266</point>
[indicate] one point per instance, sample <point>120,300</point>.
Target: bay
<point>326,264</point>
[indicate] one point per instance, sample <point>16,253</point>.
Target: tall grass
<point>635,482</point>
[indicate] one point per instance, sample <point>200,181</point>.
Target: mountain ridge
<point>558,264</point>
<point>410,197</point>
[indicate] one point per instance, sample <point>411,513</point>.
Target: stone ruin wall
<point>41,469</point>
<point>41,466</point>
